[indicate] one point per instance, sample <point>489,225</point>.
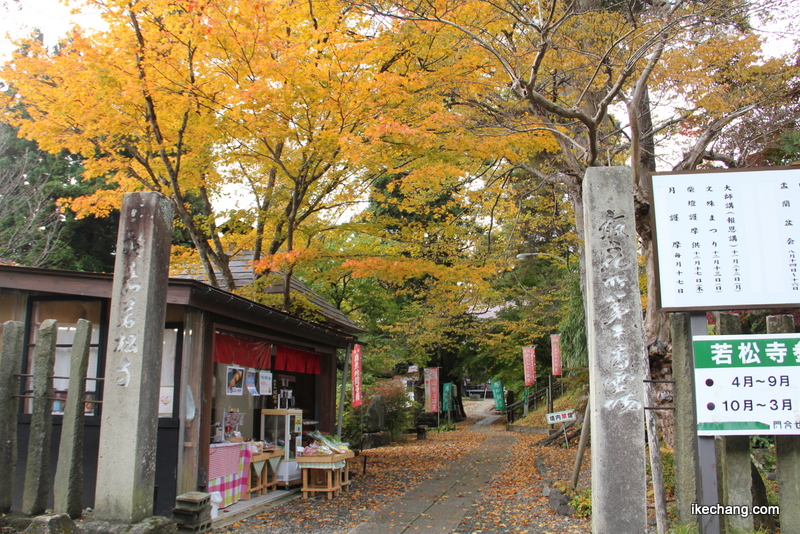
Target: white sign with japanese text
<point>265,382</point>
<point>560,417</point>
<point>727,240</point>
<point>747,385</point>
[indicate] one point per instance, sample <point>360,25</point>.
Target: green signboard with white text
<point>747,385</point>
<point>499,395</point>
<point>447,396</point>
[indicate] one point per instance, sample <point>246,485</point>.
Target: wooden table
<point>324,473</point>
<point>258,480</point>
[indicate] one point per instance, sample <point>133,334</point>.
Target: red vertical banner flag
<point>555,352</point>
<point>529,364</point>
<point>355,375</point>
<point>432,389</point>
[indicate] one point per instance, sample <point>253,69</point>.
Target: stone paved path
<point>440,504</point>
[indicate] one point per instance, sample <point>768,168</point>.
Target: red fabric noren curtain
<point>232,349</point>
<point>297,361</point>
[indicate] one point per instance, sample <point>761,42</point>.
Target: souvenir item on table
<point>325,444</point>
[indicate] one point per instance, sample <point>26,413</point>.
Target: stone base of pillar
<point>62,524</point>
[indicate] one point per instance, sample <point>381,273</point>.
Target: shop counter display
<point>324,473</point>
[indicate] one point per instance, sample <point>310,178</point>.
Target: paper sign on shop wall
<point>265,382</point>
<point>250,380</point>
<point>235,380</point>
<point>166,401</point>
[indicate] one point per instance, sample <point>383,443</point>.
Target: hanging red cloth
<point>297,361</point>
<point>237,350</point>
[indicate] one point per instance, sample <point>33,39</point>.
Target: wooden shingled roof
<point>243,274</point>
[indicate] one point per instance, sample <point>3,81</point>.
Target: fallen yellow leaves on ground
<point>512,504</point>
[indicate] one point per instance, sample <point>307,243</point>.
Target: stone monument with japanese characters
<point>129,423</point>
<point>616,353</point>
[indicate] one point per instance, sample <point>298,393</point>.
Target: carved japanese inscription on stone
<point>126,341</point>
<point>616,353</point>
<point>620,385</point>
<point>129,427</point>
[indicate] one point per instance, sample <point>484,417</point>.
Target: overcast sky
<point>19,17</point>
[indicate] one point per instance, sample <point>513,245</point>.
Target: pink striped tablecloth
<point>228,469</point>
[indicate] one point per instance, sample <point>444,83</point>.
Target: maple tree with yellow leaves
<point>289,105</point>
<point>593,75</point>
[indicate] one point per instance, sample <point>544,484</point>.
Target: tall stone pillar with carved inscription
<point>616,353</point>
<point>126,463</point>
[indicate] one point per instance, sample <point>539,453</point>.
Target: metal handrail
<point>533,400</point>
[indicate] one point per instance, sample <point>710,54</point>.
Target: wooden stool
<point>271,471</point>
<point>257,477</point>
